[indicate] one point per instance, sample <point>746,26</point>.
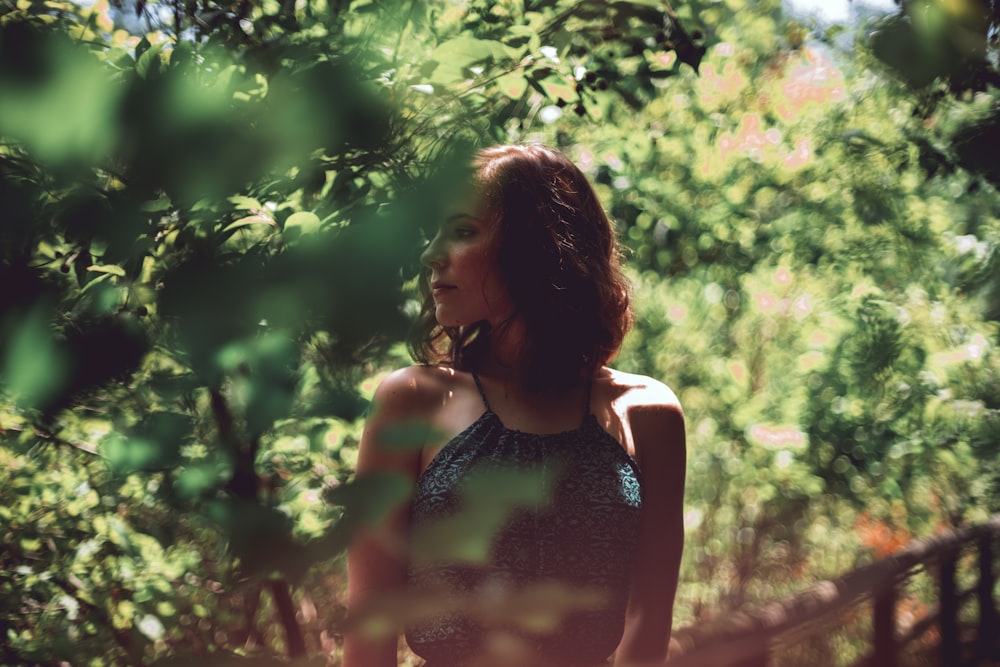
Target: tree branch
<point>243,483</point>
<point>282,595</point>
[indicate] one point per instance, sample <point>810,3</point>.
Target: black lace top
<point>523,544</point>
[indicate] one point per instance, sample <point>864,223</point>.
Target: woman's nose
<point>433,256</point>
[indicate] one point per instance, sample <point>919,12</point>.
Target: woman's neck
<point>504,359</point>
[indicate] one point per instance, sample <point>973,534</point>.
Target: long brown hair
<point>558,257</point>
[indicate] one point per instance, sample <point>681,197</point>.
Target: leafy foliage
<point>211,227</point>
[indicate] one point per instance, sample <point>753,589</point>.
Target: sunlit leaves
<point>149,59</point>
<point>584,57</point>
<point>450,61</point>
<point>299,224</point>
<point>512,85</point>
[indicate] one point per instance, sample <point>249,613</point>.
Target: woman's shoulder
<point>418,377</point>
<point>652,416</point>
<point>414,388</point>
<point>635,391</point>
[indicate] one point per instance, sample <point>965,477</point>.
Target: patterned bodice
<point>523,542</point>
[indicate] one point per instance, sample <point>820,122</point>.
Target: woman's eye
<point>463,232</point>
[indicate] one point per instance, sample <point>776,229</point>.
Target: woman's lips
<point>440,288</point>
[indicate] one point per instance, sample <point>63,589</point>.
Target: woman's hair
<point>558,257</point>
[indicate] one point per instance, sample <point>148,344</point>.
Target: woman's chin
<point>448,320</point>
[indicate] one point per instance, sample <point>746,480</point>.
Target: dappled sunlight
<point>677,313</point>
<point>972,351</point>
<point>720,85</point>
<point>799,86</point>
<point>809,81</point>
<point>801,156</point>
<point>753,142</point>
<point>777,437</point>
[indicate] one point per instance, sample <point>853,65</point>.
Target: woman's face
<point>464,279</point>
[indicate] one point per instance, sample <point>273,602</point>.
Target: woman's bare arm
<point>658,435</point>
<point>376,561</point>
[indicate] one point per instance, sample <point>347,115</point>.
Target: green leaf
<point>271,390</point>
<point>488,499</point>
<point>149,61</point>
<point>455,55</point>
<point>245,203</point>
<point>369,500</point>
<point>250,220</point>
<point>194,480</point>
<point>512,85</point>
<point>556,88</point>
<point>157,205</point>
<point>407,435</point>
<point>113,269</point>
<point>523,36</point>
<point>35,367</point>
<point>300,224</point>
<point>154,443</point>
<point>260,536</point>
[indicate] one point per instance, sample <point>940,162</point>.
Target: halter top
<point>523,543</point>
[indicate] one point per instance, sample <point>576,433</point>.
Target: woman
<point>545,524</point>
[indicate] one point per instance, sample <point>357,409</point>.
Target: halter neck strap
<point>482,394</point>
<point>586,397</point>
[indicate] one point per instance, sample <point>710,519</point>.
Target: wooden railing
<point>751,639</point>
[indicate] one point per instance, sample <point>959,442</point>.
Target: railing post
<point>884,621</point>
<point>950,647</point>
<point>989,626</point>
